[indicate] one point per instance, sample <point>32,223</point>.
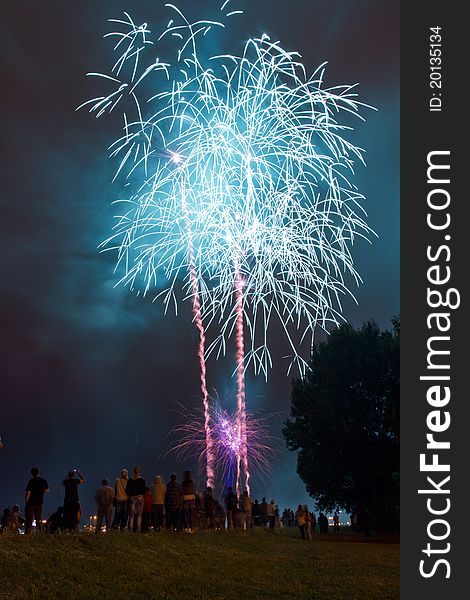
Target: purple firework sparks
<point>227,441</point>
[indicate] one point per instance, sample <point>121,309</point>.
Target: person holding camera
<point>71,513</point>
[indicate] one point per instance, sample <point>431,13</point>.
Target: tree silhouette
<point>345,423</point>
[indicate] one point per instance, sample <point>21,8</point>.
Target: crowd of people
<point>308,523</point>
<point>132,505</point>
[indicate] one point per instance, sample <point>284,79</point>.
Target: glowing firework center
<point>244,198</point>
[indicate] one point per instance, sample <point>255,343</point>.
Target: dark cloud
<point>91,375</point>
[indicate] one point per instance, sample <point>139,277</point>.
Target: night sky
<point>90,375</point>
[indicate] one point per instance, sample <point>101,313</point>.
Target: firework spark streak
<point>241,171</point>
<point>242,455</point>
<point>201,350</point>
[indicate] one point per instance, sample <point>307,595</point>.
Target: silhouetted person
<point>353,521</point>
<point>34,499</point>
<point>272,513</point>
<point>300,520</point>
<point>209,507</point>
<point>219,517</point>
<point>256,514</point>
<point>240,514</point>
<point>147,511</point>
<point>277,521</point>
<point>231,507</point>
<point>308,523</point>
<point>322,523</point>
<point>336,523</point>
<point>291,519</point>
<point>71,501</point>
<point>314,523</point>
<point>135,489</point>
<point>188,492</point>
<point>158,502</point>
<point>284,518</point>
<point>264,512</point>
<point>247,509</point>
<point>55,521</point>
<point>104,505</point>
<point>174,502</point>
<point>121,501</point>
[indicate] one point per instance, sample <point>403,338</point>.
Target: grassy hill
<point>263,565</point>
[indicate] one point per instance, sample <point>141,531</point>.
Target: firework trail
<point>242,455</point>
<point>201,350</point>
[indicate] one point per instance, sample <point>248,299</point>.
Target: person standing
<point>231,507</point>
<point>264,512</point>
<point>104,505</point>
<point>291,519</point>
<point>34,499</point>
<point>314,523</point>
<point>308,524</point>
<point>135,490</point>
<point>71,513</point>
<point>335,523</point>
<point>219,517</point>
<point>353,520</point>
<point>272,513</point>
<point>209,508</point>
<point>277,520</point>
<point>174,502</point>
<point>300,520</point>
<point>240,514</point>
<point>188,492</point>
<point>247,510</point>
<point>323,523</point>
<point>256,512</point>
<point>147,510</point>
<point>285,518</point>
<point>121,501</point>
<point>158,502</point>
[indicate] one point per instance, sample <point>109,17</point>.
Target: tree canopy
<point>345,422</point>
